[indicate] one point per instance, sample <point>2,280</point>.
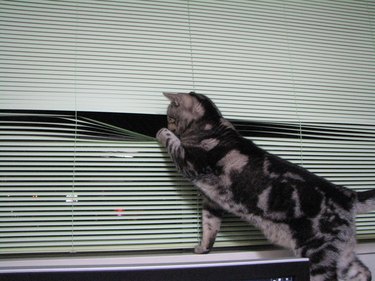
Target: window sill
<point>139,261</point>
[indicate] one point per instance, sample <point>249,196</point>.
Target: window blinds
<point>305,70</point>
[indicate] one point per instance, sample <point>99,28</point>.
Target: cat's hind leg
<point>323,264</point>
<point>350,267</point>
<point>211,222</point>
<point>335,260</point>
<point>323,256</point>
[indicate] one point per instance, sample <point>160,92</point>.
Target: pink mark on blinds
<point>119,211</point>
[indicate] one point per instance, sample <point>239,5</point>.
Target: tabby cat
<point>293,207</point>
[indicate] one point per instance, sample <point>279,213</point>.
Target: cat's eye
<point>171,120</point>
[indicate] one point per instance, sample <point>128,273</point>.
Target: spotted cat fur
<point>293,207</point>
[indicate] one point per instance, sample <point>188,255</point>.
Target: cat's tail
<point>365,201</point>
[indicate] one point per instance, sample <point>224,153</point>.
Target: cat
<point>293,207</point>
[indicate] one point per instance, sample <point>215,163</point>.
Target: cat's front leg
<point>173,146</point>
<point>211,222</point>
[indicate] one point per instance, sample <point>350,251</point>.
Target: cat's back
<point>312,189</point>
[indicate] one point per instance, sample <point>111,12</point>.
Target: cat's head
<point>191,109</point>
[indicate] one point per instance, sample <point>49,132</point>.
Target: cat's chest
<point>217,184</point>
<point>218,189</point>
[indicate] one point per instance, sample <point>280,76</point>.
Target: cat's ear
<point>174,98</point>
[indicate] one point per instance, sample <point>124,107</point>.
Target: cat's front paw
<point>162,135</point>
<point>199,249</point>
